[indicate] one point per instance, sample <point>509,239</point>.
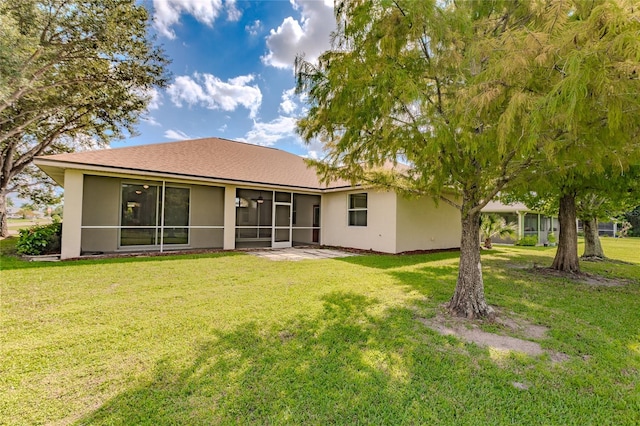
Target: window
<point>358,209</point>
<point>139,215</point>
<point>142,215</point>
<point>176,216</point>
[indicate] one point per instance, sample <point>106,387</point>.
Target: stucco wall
<point>423,226</point>
<point>100,207</point>
<point>380,232</point>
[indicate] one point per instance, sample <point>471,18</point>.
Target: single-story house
<point>605,229</point>
<point>529,223</point>
<point>215,193</point>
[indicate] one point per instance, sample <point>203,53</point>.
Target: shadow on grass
<point>389,261</point>
<point>344,366</point>
<point>13,262</point>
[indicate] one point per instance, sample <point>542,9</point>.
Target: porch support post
<point>323,205</point>
<point>72,214</point>
<point>539,230</point>
<point>520,225</point>
<point>229,242</point>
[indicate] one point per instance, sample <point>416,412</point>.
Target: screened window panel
<point>358,201</point>
<point>139,205</point>
<point>283,197</point>
<point>358,218</point>
<point>138,237</point>
<point>282,235</point>
<point>176,207</point>
<point>142,208</point>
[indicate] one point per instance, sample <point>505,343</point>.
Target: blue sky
<point>232,70</point>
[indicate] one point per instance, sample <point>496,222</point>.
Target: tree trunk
<point>567,255</point>
<point>4,227</point>
<point>468,300</point>
<point>592,246</point>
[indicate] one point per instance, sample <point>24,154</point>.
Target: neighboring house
<point>215,193</point>
<point>608,229</point>
<point>529,223</point>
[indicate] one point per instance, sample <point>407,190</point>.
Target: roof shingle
<point>212,158</point>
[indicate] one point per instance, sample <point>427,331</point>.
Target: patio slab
<point>300,253</point>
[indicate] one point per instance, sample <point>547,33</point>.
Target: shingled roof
<point>209,158</point>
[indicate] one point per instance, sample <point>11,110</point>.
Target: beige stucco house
<point>215,193</point>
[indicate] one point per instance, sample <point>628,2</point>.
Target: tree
<point>597,196</point>
<point>604,199</point>
<point>495,226</point>
<point>461,91</point>
<point>27,211</point>
<point>633,218</point>
<point>73,74</point>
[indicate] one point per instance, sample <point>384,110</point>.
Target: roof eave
<point>55,169</point>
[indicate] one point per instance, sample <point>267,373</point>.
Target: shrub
<point>40,239</point>
<point>551,238</point>
<point>529,241</point>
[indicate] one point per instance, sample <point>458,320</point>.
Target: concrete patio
<point>300,253</point>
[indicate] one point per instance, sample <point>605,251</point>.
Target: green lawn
<point>234,339</point>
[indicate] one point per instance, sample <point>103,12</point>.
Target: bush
<point>528,241</point>
<point>42,239</point>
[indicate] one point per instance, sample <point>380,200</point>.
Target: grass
<point>230,338</point>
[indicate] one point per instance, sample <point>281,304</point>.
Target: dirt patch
<point>470,331</point>
<point>580,277</point>
<point>528,330</point>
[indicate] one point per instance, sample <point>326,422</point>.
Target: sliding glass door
<point>152,215</point>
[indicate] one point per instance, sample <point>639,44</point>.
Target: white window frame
<point>357,209</point>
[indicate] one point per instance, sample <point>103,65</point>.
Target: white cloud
<point>288,104</point>
<point>254,28</point>
<point>155,98</point>
<point>167,13</point>
<point>233,14</point>
<point>222,128</point>
<point>176,134</point>
<point>309,36</point>
<point>209,91</point>
<point>315,149</point>
<point>151,121</point>
<point>267,134</point>
<point>151,94</point>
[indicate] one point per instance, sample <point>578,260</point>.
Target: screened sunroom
<point>276,218</point>
<point>137,214</point>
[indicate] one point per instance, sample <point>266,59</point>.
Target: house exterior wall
<point>394,224</point>
<point>378,235</point>
<point>71,226</point>
<point>421,225</point>
<point>100,207</point>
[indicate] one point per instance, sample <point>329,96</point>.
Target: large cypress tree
<point>472,95</point>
